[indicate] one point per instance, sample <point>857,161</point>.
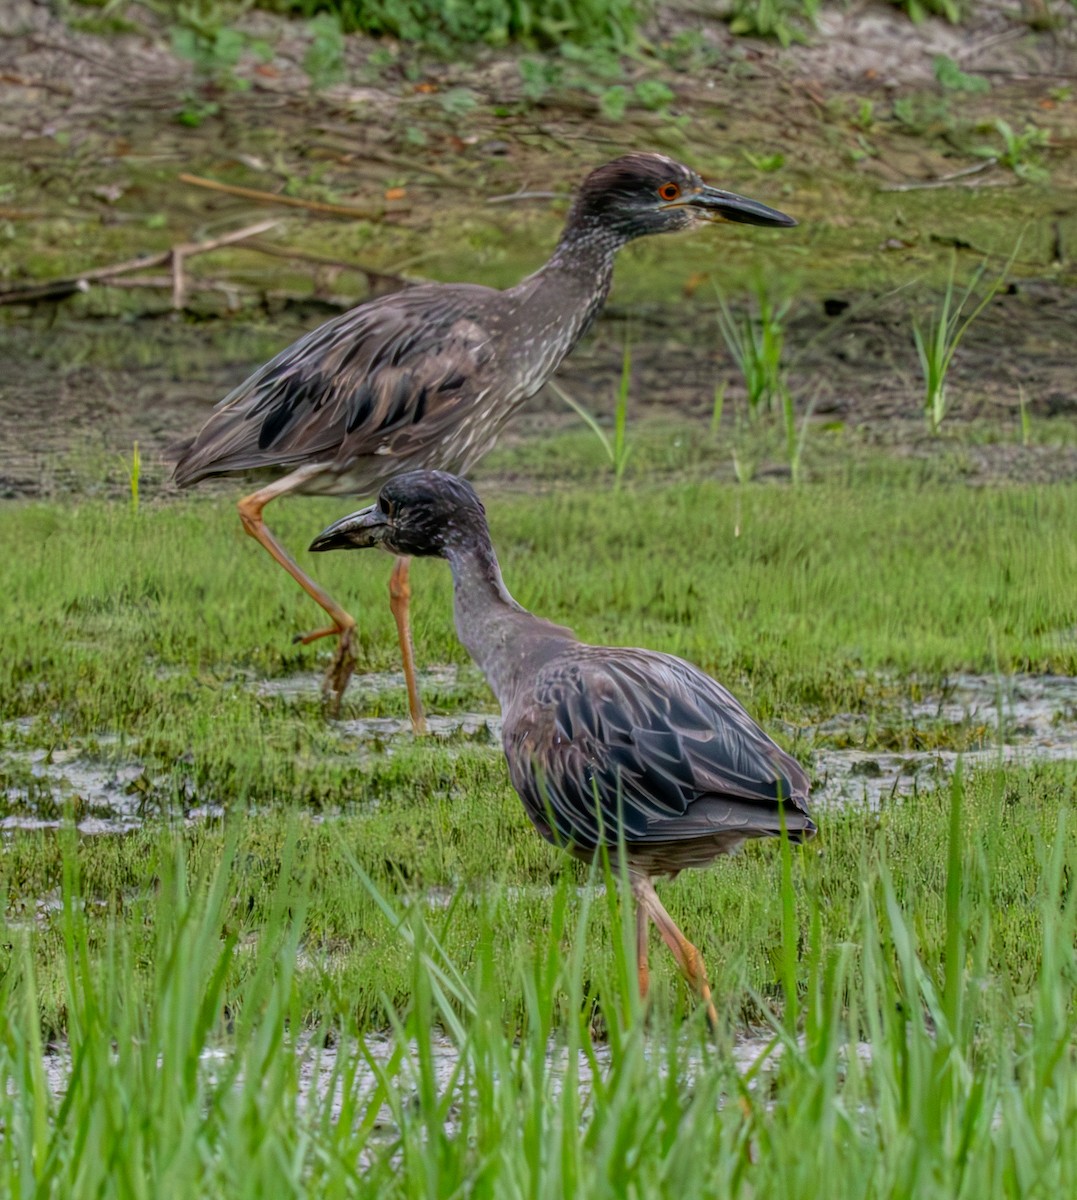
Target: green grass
<point>144,624</point>
<point>354,887</point>
<point>955,965</point>
<point>937,347</point>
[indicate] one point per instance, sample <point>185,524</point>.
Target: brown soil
<point>85,113</point>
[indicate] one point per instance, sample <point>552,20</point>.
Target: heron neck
<point>587,247</point>
<point>563,298</point>
<point>499,634</point>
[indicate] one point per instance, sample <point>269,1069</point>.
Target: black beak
<point>364,528</point>
<point>712,204</point>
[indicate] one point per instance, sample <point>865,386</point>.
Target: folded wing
<point>646,743</point>
<point>384,378</point>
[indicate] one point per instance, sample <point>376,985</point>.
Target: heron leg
<point>250,513</point>
<point>643,922</point>
<point>688,957</point>
<point>399,602</point>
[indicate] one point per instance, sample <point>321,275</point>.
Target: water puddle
<point>444,677</point>
<point>103,799</point>
<point>323,1071</point>
<point>44,789</point>
<point>1030,709</point>
<point>981,719</point>
<point>1011,719</point>
<point>477,726</point>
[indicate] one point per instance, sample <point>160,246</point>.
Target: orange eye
<point>669,191</point>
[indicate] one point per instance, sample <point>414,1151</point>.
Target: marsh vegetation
<point>246,950</point>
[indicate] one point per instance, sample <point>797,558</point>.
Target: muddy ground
<point>882,165</point>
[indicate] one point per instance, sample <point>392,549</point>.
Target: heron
<point>629,752</point>
<point>427,377</point>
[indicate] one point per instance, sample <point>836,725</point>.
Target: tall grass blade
<point>588,420</point>
<point>935,349</point>
<point>621,449</point>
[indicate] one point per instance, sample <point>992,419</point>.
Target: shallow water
<point>1015,719</point>
<point>319,1068</point>
<point>102,798</point>
<point>1019,718</point>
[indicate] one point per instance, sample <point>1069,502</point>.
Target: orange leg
<point>643,970</point>
<point>688,957</point>
<point>399,602</point>
<point>250,513</point>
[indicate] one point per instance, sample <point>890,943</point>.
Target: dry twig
<point>58,289</point>
<point>318,206</point>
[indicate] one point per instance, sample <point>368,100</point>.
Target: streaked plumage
<point>605,745</point>
<point>427,377</point>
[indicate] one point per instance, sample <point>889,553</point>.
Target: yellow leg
<point>399,601</point>
<point>250,513</point>
<point>642,968</point>
<point>688,957</point>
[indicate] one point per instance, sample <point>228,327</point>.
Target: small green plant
<point>457,101</point>
<point>755,344</point>
<point>1026,420</point>
<point>439,25</point>
<point>716,410</point>
<point>618,450</point>
<point>779,19</point>
<point>935,348</point>
<point>324,59</point>
<point>919,115</point>
<point>864,117</point>
<point>621,449</point>
<point>1020,152</point>
<point>745,450</point>
<point>765,162</point>
<point>653,95</point>
<point>202,36</point>
<point>538,76</point>
<point>133,476</point>
<point>953,79</point>
<point>796,439</point>
<point>599,72</point>
<point>689,52</point>
<point>613,102</point>
<point>917,10</point>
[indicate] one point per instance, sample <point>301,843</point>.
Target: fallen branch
<point>318,206</point>
<point>321,260</point>
<point>918,185</point>
<point>512,197</point>
<point>59,289</point>
<point>445,174</point>
<point>166,282</point>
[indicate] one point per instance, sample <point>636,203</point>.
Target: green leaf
<point>951,77</point>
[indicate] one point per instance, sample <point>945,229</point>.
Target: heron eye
<point>669,191</point>
<point>386,505</point>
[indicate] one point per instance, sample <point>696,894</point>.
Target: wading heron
<point>427,377</point>
<point>608,747</point>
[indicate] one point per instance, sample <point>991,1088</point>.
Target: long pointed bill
<point>356,532</point>
<point>712,204</point>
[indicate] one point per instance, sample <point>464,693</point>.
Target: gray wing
<point>387,377</point>
<point>647,743</point>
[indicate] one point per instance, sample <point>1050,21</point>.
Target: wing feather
<point>359,384</point>
<point>648,744</point>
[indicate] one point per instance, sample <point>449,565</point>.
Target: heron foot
<point>340,669</point>
<point>305,639</point>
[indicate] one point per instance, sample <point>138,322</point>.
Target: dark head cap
<point>420,513</point>
<point>639,194</point>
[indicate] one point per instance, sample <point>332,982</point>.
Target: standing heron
<point>607,747</point>
<point>428,376</point>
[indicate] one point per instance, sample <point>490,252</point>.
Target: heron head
<point>420,513</point>
<point>639,194</point>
